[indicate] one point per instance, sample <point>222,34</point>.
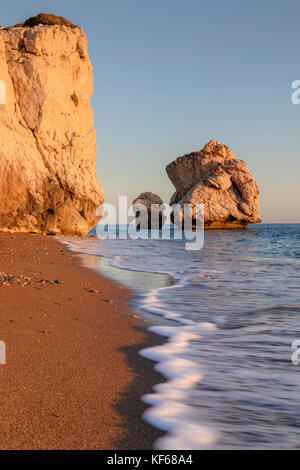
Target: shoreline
<point>63,387</point>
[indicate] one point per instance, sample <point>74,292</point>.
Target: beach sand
<point>73,378</point>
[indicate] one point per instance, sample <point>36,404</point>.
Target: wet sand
<point>73,377</point>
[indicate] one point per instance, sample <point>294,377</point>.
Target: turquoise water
<point>230,313</point>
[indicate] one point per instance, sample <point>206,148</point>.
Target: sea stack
<point>214,177</point>
<point>153,205</point>
<point>48,148</point>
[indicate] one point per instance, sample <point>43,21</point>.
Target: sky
<point>170,75</point>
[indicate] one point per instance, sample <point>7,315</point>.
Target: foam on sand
<point>168,412</point>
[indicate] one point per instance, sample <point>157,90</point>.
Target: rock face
<point>215,178</point>
<point>48,148</point>
<point>148,199</point>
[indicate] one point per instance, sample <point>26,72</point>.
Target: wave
<point>168,409</point>
<point>229,317</point>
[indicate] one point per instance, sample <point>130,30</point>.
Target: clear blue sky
<point>172,74</point>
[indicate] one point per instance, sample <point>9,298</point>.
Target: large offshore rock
<point>48,181</point>
<point>215,178</point>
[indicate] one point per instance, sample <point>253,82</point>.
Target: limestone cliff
<point>214,177</point>
<point>48,148</point>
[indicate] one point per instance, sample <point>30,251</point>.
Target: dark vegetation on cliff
<point>46,19</point>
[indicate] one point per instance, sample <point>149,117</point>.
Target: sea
<point>230,318</point>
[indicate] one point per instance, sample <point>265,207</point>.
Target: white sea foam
<point>225,373</point>
<point>188,437</point>
<point>168,410</point>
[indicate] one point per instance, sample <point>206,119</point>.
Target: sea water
<point>229,314</point>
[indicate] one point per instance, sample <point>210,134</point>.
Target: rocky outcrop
<point>48,148</point>
<point>151,201</point>
<point>215,178</point>
<point>46,19</point>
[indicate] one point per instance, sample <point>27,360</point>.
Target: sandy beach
<point>73,378</point>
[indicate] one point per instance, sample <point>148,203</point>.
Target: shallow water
<point>230,313</point>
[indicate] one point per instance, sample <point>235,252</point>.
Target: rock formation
<point>150,200</point>
<point>48,144</point>
<point>215,178</point>
<point>46,19</point>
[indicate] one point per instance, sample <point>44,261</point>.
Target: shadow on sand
<point>139,434</point>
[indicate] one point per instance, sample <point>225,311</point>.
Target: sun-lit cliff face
<point>48,181</point>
